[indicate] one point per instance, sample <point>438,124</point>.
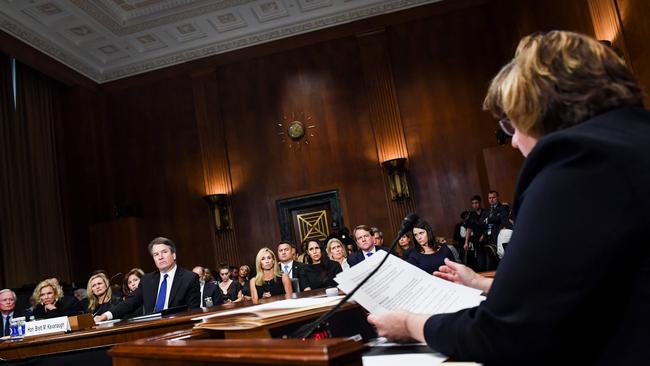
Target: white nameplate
<point>46,326</point>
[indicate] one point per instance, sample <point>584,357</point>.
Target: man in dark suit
<point>169,287</point>
<point>209,290</point>
<point>286,254</point>
<point>366,244</point>
<point>8,310</point>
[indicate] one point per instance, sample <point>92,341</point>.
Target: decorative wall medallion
<point>296,130</point>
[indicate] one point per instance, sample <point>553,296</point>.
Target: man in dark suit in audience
<point>366,244</point>
<point>209,290</point>
<point>170,286</point>
<point>286,254</point>
<point>8,310</point>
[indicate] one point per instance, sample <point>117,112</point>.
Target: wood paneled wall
<point>636,33</point>
<point>161,141</point>
<point>321,85</point>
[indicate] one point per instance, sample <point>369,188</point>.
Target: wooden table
<point>107,335</point>
<point>224,352</point>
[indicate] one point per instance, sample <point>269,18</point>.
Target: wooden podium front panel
<point>335,351</point>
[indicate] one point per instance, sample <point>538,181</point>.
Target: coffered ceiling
<point>112,39</point>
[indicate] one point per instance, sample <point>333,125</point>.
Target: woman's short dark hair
<point>559,79</point>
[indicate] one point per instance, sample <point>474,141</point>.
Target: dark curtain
<point>6,115</point>
<point>33,238</point>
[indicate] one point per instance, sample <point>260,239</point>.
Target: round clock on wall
<point>296,130</point>
<point>299,132</point>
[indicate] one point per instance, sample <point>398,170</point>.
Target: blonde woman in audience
<point>100,295</point>
<point>52,303</point>
<point>337,253</point>
<point>269,281</point>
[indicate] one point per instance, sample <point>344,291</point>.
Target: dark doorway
<point>312,216</point>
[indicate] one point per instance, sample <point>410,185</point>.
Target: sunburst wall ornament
<point>297,130</point>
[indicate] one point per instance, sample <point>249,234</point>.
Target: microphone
<point>306,330</point>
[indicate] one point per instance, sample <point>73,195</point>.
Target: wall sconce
<point>396,171</point>
<point>220,210</point>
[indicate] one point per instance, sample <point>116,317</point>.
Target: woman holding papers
<point>430,255</point>
<point>575,111</point>
<point>319,271</point>
<point>269,280</point>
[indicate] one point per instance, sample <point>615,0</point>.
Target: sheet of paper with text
<point>399,285</point>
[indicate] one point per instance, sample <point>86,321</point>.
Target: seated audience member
<point>131,281</point>
<point>504,237</point>
<point>234,272</point>
<point>460,233</point>
<point>130,284</point>
<point>319,271</point>
<point>347,240</point>
<point>286,253</point>
<point>243,279</point>
<point>8,310</point>
<point>207,274</point>
<point>302,257</point>
<point>52,303</point>
<point>337,253</point>
<point>454,251</point>
<point>365,242</point>
<point>378,235</point>
<point>100,295</point>
<point>429,254</point>
<point>155,288</point>
<point>405,246</point>
<point>269,281</point>
<point>82,296</point>
<point>210,294</point>
<point>231,290</point>
<point>575,111</point>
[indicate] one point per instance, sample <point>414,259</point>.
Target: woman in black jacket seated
<point>100,295</point>
<point>231,290</point>
<point>319,271</point>
<point>52,303</point>
<point>131,282</point>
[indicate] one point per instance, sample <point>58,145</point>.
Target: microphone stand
<point>306,330</point>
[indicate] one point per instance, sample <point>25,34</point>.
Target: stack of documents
<point>399,285</point>
<point>251,317</point>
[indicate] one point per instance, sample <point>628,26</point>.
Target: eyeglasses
<point>506,126</point>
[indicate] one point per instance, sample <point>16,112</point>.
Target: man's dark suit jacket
<point>212,290</point>
<point>185,291</point>
<point>358,256</point>
<point>575,280</point>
